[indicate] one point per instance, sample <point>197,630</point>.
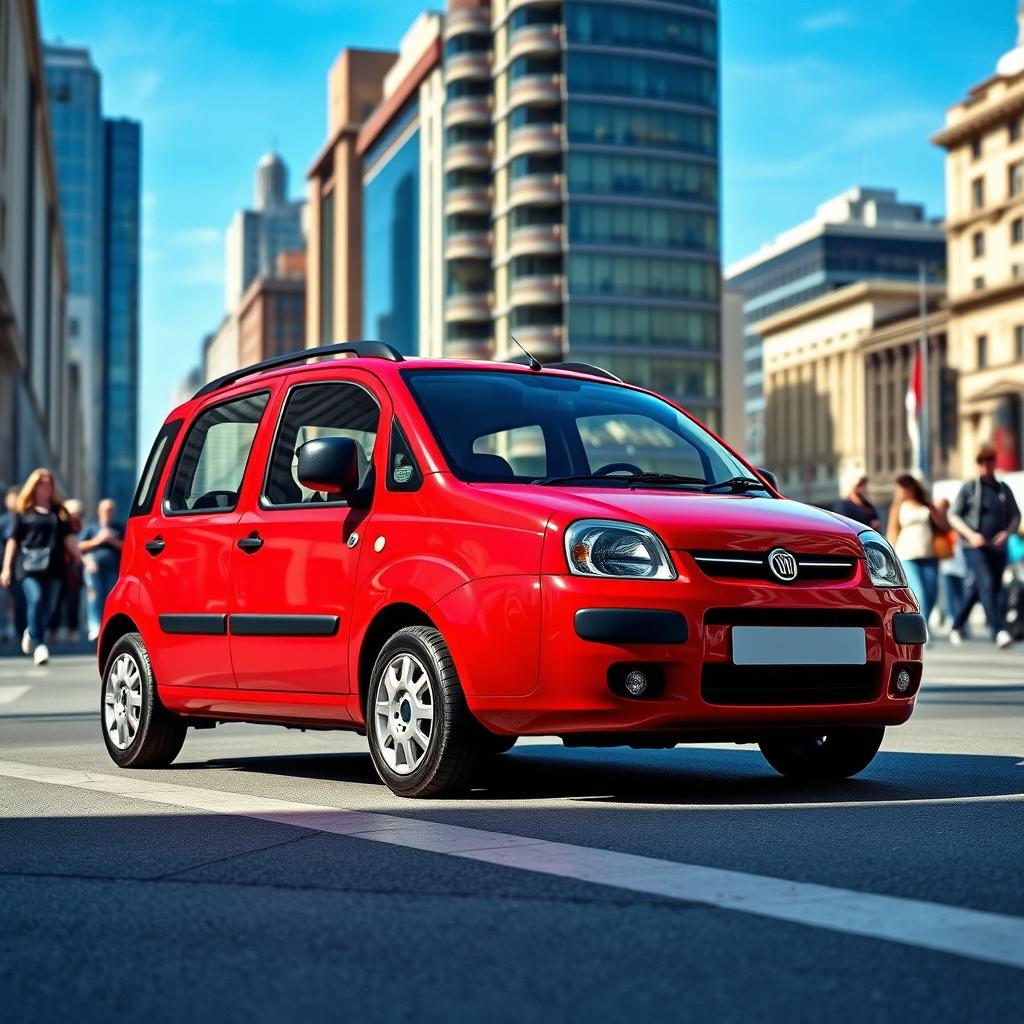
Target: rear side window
<point>332,409</point>
<point>208,475</point>
<point>154,468</point>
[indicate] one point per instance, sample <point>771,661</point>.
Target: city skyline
<point>198,170</point>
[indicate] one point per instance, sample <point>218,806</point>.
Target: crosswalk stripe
<point>973,934</point>
<point>9,694</point>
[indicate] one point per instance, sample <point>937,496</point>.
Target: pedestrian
<point>64,623</point>
<point>985,514</point>
<point>101,543</point>
<point>8,619</point>
<point>952,573</point>
<point>34,555</point>
<point>857,505</point>
<point>914,528</point>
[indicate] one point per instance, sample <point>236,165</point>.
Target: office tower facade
<point>558,161</point>
<point>984,142</point>
<point>99,170</point>
<point>862,234</point>
<point>38,398</point>
<point>255,237</point>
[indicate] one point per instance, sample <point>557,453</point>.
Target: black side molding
<point>284,625</point>
<point>631,626</point>
<point>196,625</point>
<point>909,628</point>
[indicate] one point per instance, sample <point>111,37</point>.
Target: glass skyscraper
<point>98,170</point>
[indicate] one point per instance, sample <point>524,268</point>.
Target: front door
<point>296,552</point>
<point>188,544</point>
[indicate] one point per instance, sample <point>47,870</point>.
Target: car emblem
<point>782,564</point>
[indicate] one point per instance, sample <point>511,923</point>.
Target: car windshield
<point>509,426</point>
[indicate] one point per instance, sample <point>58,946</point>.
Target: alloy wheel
<point>403,713</point>
<point>122,701</point>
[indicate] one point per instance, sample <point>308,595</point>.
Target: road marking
<point>9,694</point>
<point>974,934</point>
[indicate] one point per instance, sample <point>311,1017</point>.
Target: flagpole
<point>925,426</point>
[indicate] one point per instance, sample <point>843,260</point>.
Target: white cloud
<point>824,21</point>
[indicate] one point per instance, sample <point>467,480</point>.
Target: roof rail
<point>587,368</point>
<point>366,349</point>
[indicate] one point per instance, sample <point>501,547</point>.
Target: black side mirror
<point>770,477</point>
<point>329,464</point>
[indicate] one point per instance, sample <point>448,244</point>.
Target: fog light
<point>635,683</point>
<point>903,681</point>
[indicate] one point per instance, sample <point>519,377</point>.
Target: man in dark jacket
<point>857,506</point>
<point>985,514</point>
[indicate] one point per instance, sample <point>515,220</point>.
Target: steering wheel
<point>618,467</point>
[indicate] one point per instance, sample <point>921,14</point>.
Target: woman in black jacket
<point>35,555</point>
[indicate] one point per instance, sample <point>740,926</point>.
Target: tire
<point>152,736</point>
<point>414,683</point>
<point>823,756</point>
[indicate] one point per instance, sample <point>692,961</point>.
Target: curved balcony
<point>468,348</point>
<point>514,5</point>
<point>468,245</point>
<point>535,89</point>
<point>547,342</point>
<point>468,306</point>
<point>468,110</point>
<point>539,189</point>
<point>476,64</point>
<point>536,290</point>
<point>535,40</point>
<point>468,156</point>
<point>468,199</point>
<point>459,20</point>
<point>535,240</point>
<point>535,138</point>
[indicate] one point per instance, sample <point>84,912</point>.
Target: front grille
<point>791,617</point>
<point>779,685</point>
<point>753,565</point>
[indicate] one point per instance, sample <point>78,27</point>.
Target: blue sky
<point>816,97</point>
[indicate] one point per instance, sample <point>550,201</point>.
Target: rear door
<point>188,541</point>
<point>294,571</point>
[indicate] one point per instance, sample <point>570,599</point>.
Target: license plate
<point>798,645</point>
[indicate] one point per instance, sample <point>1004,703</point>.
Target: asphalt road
<point>689,884</point>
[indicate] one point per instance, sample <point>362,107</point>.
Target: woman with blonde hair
<point>914,525</point>
<point>35,555</point>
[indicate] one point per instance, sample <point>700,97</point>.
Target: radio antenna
<point>533,364</point>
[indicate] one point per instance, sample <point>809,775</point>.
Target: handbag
<point>35,561</point>
<point>942,545</point>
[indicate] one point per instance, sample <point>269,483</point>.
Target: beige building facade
<point>836,371</point>
<point>984,142</point>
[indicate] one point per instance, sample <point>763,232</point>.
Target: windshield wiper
<point>739,483</point>
<point>631,480</point>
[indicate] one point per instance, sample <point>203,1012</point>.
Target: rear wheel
<point>823,756</point>
<point>138,730</point>
<point>423,739</point>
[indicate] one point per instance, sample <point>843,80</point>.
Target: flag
<point>914,403</point>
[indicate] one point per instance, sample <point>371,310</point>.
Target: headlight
<point>883,566</point>
<point>602,547</point>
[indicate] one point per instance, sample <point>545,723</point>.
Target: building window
<point>1017,231</point>
<point>981,351</point>
<point>1018,341</point>
<point>976,147</point>
<point>1016,176</point>
<point>978,243</point>
<point>978,193</point>
<point>1014,130</point>
<point>979,283</point>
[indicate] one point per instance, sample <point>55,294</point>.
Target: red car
<point>448,555</point>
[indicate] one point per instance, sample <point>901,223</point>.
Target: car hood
<point>687,520</point>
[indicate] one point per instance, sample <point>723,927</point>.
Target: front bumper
<point>680,629</point>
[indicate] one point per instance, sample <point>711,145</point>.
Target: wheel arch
<point>119,625</point>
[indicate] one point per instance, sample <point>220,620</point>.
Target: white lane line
<point>9,694</point>
<point>973,934</point>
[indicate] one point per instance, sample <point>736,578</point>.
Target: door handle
<point>252,543</point>
<point>156,545</point>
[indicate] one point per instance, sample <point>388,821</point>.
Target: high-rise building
<point>862,234</point>
<point>39,425</point>
<point>555,163</point>
<point>272,313</point>
<point>99,170</point>
<point>984,142</point>
<point>255,237</point>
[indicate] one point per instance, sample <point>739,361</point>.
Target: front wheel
<point>823,756</point>
<point>423,739</point>
<point>138,730</point>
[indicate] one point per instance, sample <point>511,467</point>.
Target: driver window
<point>209,472</point>
<point>523,448</point>
<point>641,441</point>
<point>334,409</point>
